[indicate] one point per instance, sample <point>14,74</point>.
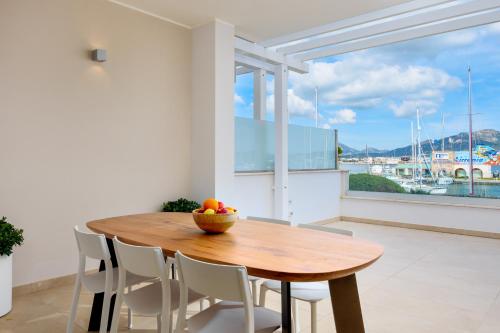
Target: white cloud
<point>361,82</point>
<point>326,126</point>
<point>297,106</point>
<point>238,99</point>
<point>459,38</point>
<point>344,116</point>
<point>408,108</point>
<point>494,28</point>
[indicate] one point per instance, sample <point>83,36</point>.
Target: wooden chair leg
<point>158,322</point>
<point>129,312</point>
<point>295,315</point>
<point>254,291</point>
<point>74,305</point>
<point>201,304</point>
<point>129,322</point>
<point>116,312</point>
<point>314,317</point>
<point>262,300</point>
<point>105,312</point>
<point>171,323</point>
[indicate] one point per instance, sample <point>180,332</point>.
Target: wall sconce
<point>99,55</point>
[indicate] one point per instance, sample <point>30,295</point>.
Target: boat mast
<point>419,148</point>
<point>442,131</point>
<point>471,157</point>
<point>413,152</point>
<point>367,162</point>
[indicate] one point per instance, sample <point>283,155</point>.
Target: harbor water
<point>456,189</point>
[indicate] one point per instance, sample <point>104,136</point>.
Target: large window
<point>409,104</point>
<point>402,112</point>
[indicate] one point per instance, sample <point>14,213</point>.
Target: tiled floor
<point>425,282</point>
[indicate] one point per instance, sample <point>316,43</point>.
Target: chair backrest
<point>327,229</point>
<point>92,245</point>
<point>269,220</point>
<point>229,283</point>
<point>141,260</point>
<point>218,281</point>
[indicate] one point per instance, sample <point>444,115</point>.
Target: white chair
<point>310,292</point>
<point>235,314</point>
<point>91,245</point>
<point>253,279</point>
<point>159,298</point>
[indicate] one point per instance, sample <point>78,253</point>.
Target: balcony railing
<point>309,148</point>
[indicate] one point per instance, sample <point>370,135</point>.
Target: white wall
<point>314,196</point>
<point>82,140</point>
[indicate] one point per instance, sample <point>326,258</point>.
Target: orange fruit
<point>211,203</point>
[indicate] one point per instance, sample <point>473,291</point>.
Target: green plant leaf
<point>9,237</point>
<point>371,183</point>
<point>180,205</point>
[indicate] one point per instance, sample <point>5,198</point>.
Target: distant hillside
<point>457,142</point>
<point>349,151</point>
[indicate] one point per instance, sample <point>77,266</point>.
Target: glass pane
<point>310,148</point>
<point>254,145</point>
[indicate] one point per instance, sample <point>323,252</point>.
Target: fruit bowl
<point>214,223</point>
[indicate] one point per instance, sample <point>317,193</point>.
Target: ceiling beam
<point>405,22</point>
<point>403,35</point>
<point>353,21</point>
<point>253,63</point>
<point>242,70</point>
<point>257,51</point>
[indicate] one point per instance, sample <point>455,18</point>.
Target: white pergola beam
<point>257,51</point>
<point>242,70</point>
<point>281,206</point>
<point>350,22</point>
<point>259,94</point>
<point>253,63</point>
<point>397,24</point>
<point>403,35</point>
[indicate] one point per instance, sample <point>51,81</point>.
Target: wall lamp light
<point>99,55</point>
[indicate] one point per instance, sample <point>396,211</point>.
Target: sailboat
<point>417,185</point>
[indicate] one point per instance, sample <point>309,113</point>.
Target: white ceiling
<point>259,20</point>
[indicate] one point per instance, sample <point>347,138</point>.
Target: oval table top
<point>267,250</point>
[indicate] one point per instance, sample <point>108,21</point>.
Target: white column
<point>212,116</point>
<point>281,207</point>
<point>259,94</point>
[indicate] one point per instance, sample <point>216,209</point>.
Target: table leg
<point>286,308</point>
<point>95,314</point>
<point>346,305</point>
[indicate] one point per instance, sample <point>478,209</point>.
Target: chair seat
<point>304,291</point>
<point>95,282</point>
<point>147,300</point>
<point>229,317</point>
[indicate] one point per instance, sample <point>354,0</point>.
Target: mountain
<point>488,137</point>
<point>349,151</point>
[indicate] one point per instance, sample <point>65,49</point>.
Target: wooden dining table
<point>270,251</point>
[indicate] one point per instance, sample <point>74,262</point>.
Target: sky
<point>371,96</point>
